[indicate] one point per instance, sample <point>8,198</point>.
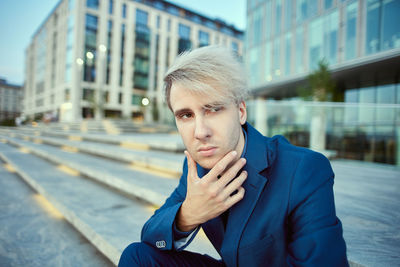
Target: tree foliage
<point>321,86</point>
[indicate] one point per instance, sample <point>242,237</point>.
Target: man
<point>260,201</point>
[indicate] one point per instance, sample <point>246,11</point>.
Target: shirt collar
<point>245,143</point>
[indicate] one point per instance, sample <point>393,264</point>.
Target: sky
<point>19,20</point>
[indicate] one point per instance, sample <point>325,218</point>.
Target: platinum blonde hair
<point>209,70</point>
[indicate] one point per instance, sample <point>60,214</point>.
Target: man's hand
<point>208,197</point>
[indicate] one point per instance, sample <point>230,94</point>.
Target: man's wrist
<point>182,220</point>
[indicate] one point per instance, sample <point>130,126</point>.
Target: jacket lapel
<point>256,155</point>
<point>239,214</point>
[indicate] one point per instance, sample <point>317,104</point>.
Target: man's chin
<point>207,162</point>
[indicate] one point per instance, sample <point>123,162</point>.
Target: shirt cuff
<point>181,238</point>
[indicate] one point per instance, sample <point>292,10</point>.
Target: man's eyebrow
<point>214,104</point>
<point>180,111</point>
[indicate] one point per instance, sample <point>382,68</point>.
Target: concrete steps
<point>109,126</point>
<point>33,233</point>
<point>106,201</point>
<point>92,178</point>
<point>167,164</point>
<point>138,141</point>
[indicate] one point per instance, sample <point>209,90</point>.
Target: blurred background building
<point>360,41</point>
<point>10,102</point>
<point>106,58</point>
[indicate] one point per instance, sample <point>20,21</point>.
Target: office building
<point>10,100</point>
<point>106,58</point>
<point>359,39</point>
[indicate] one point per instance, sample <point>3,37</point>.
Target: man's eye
<point>215,109</point>
<point>185,116</point>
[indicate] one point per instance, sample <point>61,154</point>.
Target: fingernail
<point>243,160</point>
<point>234,153</point>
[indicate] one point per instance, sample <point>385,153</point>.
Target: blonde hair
<point>206,69</point>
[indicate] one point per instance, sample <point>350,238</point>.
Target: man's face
<point>209,128</point>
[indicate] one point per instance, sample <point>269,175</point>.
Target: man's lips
<point>207,151</point>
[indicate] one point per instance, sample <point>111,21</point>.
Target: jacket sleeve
<point>158,230</point>
<point>315,233</point>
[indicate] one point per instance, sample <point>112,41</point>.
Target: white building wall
<point>54,97</point>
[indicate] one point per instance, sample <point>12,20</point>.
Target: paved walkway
<point>367,200</point>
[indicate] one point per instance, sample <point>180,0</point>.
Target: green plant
<point>321,86</point>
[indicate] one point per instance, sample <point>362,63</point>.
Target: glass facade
<point>90,48</point>
<point>383,32</point>
<point>296,34</point>
<point>351,30</point>
<point>142,51</point>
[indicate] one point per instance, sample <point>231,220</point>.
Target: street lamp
<point>145,101</point>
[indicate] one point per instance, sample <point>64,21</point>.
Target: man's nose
<point>202,130</point>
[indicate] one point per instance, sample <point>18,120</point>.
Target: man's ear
<point>242,112</point>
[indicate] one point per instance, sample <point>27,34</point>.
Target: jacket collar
<point>256,155</point>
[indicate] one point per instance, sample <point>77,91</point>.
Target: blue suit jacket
<point>286,218</point>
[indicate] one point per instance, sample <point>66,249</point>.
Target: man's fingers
<point>230,201</point>
<point>231,173</point>
<point>234,185</point>
<point>192,167</point>
<point>220,167</point>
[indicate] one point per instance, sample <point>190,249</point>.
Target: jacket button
<point>161,244</point>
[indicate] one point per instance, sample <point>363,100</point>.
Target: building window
<point>235,46</point>
<point>390,22</point>
<point>276,57</point>
<point>121,64</point>
<point>268,20</point>
<point>106,97</point>
<point>142,51</point>
<point>372,42</point>
<point>288,54</point>
<point>124,11</point>
<point>331,23</point>
<point>257,30</point>
<point>109,38</point>
<point>120,95</point>
<point>90,48</point>
<point>254,65</point>
<point>316,42</point>
<point>328,4</point>
<point>204,38</point>
<point>306,9</point>
<point>278,16</point>
<point>141,17</point>
<point>66,95</point>
<point>351,30</point>
<point>184,38</point>
<point>288,14</point>
<point>110,6</point>
<point>267,62</point>
<point>88,94</point>
<point>383,32</point>
<point>158,22</point>
<point>92,4</point>
<point>299,50</point>
<point>173,10</point>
